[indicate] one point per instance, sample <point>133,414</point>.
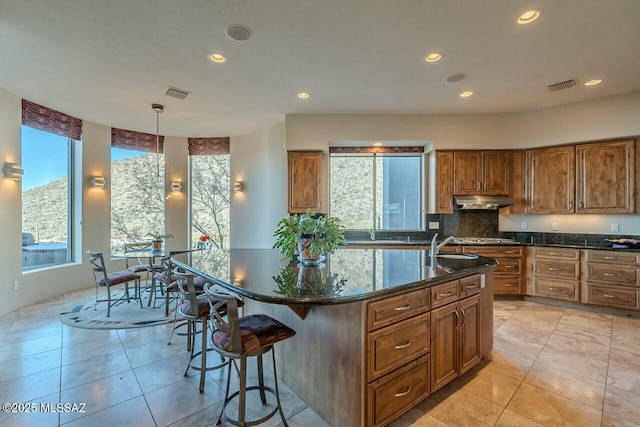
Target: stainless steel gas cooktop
<point>482,240</point>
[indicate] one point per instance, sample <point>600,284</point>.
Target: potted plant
<point>309,235</point>
<point>158,238</point>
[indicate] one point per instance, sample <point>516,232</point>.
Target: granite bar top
<point>348,275</point>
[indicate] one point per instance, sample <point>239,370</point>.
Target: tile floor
<point>550,366</point>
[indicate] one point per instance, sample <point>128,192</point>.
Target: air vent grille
<point>177,93</point>
<point>562,85</point>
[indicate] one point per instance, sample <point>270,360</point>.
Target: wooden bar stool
<point>239,338</point>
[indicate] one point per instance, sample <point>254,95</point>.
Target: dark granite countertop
<point>400,243</point>
<point>348,275</point>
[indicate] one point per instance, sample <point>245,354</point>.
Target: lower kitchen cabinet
<point>508,275</point>
<point>611,279</point>
<point>556,273</point>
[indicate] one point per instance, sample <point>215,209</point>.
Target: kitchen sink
<point>458,256</point>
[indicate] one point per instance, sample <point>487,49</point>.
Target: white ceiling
<point>107,61</point>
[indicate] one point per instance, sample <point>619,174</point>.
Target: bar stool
<point>197,308</point>
<point>239,338</point>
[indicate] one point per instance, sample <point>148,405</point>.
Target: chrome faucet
<point>435,247</point>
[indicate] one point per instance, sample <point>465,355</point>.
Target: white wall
<point>177,204</point>
<point>260,161</point>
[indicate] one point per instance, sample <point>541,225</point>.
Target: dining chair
<point>197,308</point>
<point>108,280</point>
<point>239,338</point>
<point>150,268</point>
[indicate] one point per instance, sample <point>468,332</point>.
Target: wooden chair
<point>239,338</point>
<point>108,280</point>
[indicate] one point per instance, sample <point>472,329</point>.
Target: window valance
<point>208,146</point>
<point>131,140</point>
<point>52,121</point>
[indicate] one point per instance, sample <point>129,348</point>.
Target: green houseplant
<point>310,235</point>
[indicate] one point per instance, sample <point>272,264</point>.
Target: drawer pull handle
<point>406,307</point>
<point>509,266</point>
<point>509,285</point>
<point>555,289</point>
<point>404,393</point>
<point>475,285</point>
<point>553,269</point>
<point>555,254</point>
<point>610,296</point>
<point>464,318</point>
<point>610,257</point>
<point>471,252</point>
<point>611,275</point>
<point>401,346</point>
<point>457,318</point>
<point>448,294</point>
<point>509,252</point>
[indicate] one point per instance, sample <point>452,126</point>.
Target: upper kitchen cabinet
<point>516,183</point>
<point>550,185</point>
<point>305,169</point>
<point>605,177</point>
<point>444,182</point>
<point>481,173</point>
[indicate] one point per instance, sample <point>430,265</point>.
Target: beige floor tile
<point>415,418</point>
<point>508,305</point>
<point>28,365</point>
<point>100,394</point>
<point>568,331</point>
<point>576,364</point>
<point>463,408</point>
<point>133,412</point>
<point>509,344</point>
<point>551,409</point>
<point>74,336</point>
<point>90,370</point>
<point>41,417</point>
<point>566,384</point>
<point>33,333</point>
<point>154,376</point>
<point>622,404</point>
<point>79,352</point>
<point>154,352</point>
<point>30,387</point>
<point>513,419</point>
<point>10,351</point>
<point>136,337</point>
<point>571,345</point>
<point>609,420</point>
<point>544,309</point>
<point>624,378</point>
<point>308,418</point>
<point>511,364</point>
<point>625,337</point>
<point>492,386</point>
<point>625,358</point>
<point>204,417</point>
<point>536,320</point>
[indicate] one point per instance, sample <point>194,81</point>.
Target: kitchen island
<point>377,330</point>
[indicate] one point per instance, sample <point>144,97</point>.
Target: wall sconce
<point>176,186</point>
<point>238,186</point>
<point>237,282</point>
<point>97,181</point>
<point>13,171</point>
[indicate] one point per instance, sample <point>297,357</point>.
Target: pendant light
<point>158,109</point>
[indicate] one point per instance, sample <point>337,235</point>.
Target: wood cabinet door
<point>444,345</point>
<point>516,183</point>
<point>468,173</point>
<point>550,180</point>
<point>605,177</point>
<point>305,168</point>
<point>495,173</point>
<point>470,333</point>
<point>444,182</point>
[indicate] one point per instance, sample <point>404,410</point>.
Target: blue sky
<point>44,157</point>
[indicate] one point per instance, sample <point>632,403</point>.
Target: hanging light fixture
<point>158,109</point>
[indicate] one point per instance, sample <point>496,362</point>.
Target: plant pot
<point>157,245</point>
<point>304,250</point>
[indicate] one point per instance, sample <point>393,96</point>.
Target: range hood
<point>482,202</point>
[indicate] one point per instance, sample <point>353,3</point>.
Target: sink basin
<point>458,256</point>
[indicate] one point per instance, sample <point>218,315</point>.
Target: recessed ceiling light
<point>378,144</point>
<point>466,94</point>
<point>303,95</point>
<point>528,17</point>
<point>433,57</point>
<point>217,57</point>
<point>593,82</point>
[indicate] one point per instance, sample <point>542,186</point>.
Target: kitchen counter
<point>425,243</point>
<point>346,276</point>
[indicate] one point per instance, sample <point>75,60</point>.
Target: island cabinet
<point>605,177</point>
<point>550,184</point>
<point>611,279</point>
<point>556,273</point>
<point>481,173</point>
<point>508,276</point>
<point>305,170</point>
<point>455,330</point>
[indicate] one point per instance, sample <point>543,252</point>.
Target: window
<point>46,198</point>
<point>210,191</point>
<point>385,188</point>
<point>137,196</point>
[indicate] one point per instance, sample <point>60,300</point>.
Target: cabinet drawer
<point>555,253</point>
<point>506,285</point>
<point>612,296</point>
<point>560,289</point>
<point>494,251</point>
<point>389,310</point>
<point>555,269</point>
<point>611,257</point>
<point>391,396</point>
<point>614,274</point>
<point>445,293</point>
<point>469,285</point>
<point>393,346</point>
<point>509,266</point>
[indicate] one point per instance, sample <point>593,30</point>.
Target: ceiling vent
<point>177,93</point>
<point>562,85</point>
<point>239,33</point>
